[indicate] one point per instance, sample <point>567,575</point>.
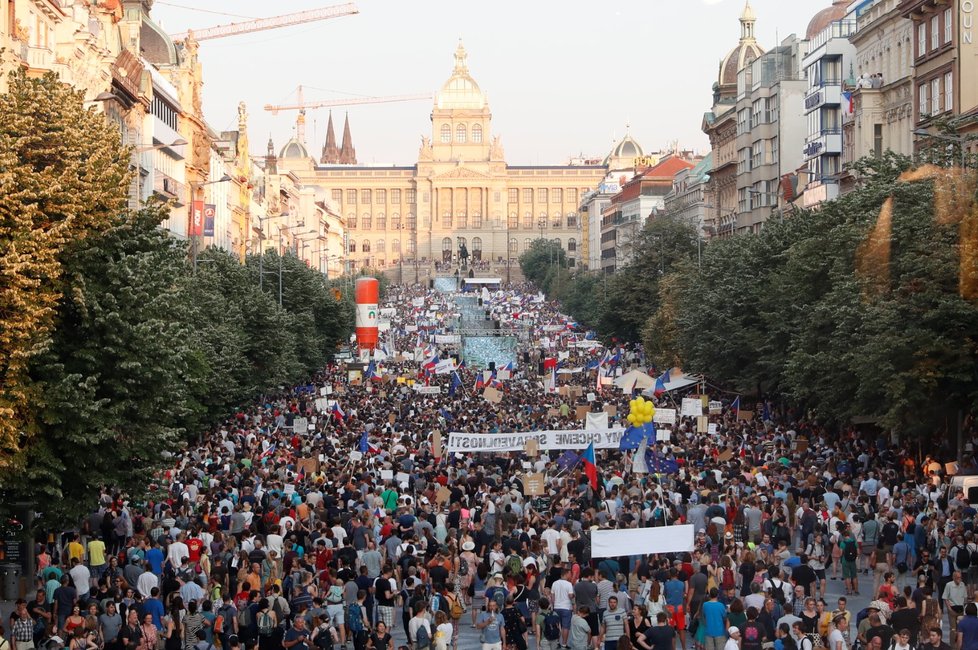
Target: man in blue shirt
<point>154,606</point>
<point>155,558</point>
<point>714,615</point>
<point>674,592</point>
<point>493,630</point>
<point>968,628</point>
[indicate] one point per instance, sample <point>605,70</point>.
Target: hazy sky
<point>562,78</point>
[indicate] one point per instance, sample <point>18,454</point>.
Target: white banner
<point>546,440</point>
<point>642,541</point>
<point>692,407</point>
<point>596,422</point>
<point>447,338</point>
<point>445,366</point>
<point>664,416</point>
<point>427,390</point>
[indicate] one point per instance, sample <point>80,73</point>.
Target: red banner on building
<point>196,219</point>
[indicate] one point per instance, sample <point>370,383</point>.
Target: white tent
<point>634,379</point>
<point>675,383</point>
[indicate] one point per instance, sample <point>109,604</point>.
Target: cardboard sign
<point>443,495</point>
<point>553,413</point>
<point>692,407</point>
<point>492,395</point>
<point>308,466</point>
<point>951,468</point>
<point>563,391</point>
<point>800,445</point>
<point>580,412</point>
<point>534,485</point>
<point>716,408</point>
<point>611,410</point>
<point>324,391</point>
<point>436,444</point>
<point>392,418</point>
<point>725,455</point>
<point>745,416</point>
<point>702,424</point>
<point>356,456</point>
<point>531,448</point>
<point>386,474</point>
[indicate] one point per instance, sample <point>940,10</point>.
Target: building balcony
<point>819,193</point>
<point>827,144</point>
<point>169,188</point>
<point>826,95</point>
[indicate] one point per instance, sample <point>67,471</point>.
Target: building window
<point>446,134</point>
<point>338,196</point>
<point>512,195</point>
<point>935,96</point>
<point>476,220</point>
<point>410,196</point>
<point>395,221</point>
<point>923,105</point>
<point>557,241</point>
<point>365,222</point>
<point>743,160</point>
<point>365,197</point>
<point>774,150</point>
<point>878,140</point>
<point>948,23</point>
<point>527,221</point>
<point>542,195</point>
<point>379,248</point>
<point>757,154</point>
<point>463,220</point>
<point>353,246</point>
<point>572,195</point>
<point>743,121</point>
<point>921,39</point>
<point>571,245</point>
<point>743,200</point>
<point>410,248</point>
<point>477,133</point>
<point>527,243</point>
<point>527,195</point>
<point>412,221</point>
<point>556,195</point>
<point>381,221</point>
<point>381,196</point>
<point>949,91</point>
<point>396,246</point>
<point>446,219</point>
<point>571,220</point>
<point>365,248</point>
<point>514,246</point>
<point>935,32</point>
<point>351,221</point>
<point>446,244</point>
<point>514,221</point>
<point>757,109</point>
<point>395,196</point>
<point>460,133</point>
<point>351,196</point>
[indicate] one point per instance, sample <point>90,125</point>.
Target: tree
<point>537,262</point>
<point>63,176</point>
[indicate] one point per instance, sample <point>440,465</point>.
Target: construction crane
<point>275,22</point>
<point>302,106</point>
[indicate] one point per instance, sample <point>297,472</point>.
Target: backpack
<point>849,551</point>
<point>500,597</point>
<point>463,567</point>
<point>244,617</point>
<point>355,615</point>
<point>727,582</point>
<point>422,640</point>
<point>515,564</point>
<point>777,592</point>
<point>551,626</point>
<point>963,558</point>
<point>266,626</point>
<point>751,637</point>
<point>455,609</point>
<point>226,626</point>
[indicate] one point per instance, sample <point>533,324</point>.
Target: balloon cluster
<point>641,412</point>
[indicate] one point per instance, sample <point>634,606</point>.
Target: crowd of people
<point>321,518</point>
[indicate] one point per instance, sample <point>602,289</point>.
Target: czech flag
<point>480,381</point>
<point>735,406</point>
<point>366,447</point>
<point>590,469</point>
<point>372,373</point>
<point>338,412</point>
<point>661,381</point>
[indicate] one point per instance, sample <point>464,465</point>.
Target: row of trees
<point>113,349</point>
<point>866,307</point>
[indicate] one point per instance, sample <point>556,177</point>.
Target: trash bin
<point>10,581</point>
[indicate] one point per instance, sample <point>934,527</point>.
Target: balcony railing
<point>168,187</point>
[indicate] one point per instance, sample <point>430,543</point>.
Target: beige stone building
<point>413,220</point>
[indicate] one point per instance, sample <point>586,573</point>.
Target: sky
<point>563,78</point>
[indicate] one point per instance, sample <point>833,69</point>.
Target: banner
<point>447,339</point>
<point>209,211</point>
<point>547,440</point>
<point>445,366</point>
<point>196,219</point>
<point>664,416</point>
<point>596,421</point>
<point>642,541</point>
<point>427,390</point>
<point>692,407</point>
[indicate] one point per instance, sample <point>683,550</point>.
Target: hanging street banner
<point>546,440</point>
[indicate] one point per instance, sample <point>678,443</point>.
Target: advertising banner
<point>546,440</point>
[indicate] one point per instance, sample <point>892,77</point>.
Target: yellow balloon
<point>647,407</point>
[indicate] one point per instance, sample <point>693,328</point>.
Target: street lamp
<point>947,137</point>
<point>196,229</point>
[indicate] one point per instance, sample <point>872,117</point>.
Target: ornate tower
<point>271,161</point>
<point>460,120</point>
<point>348,155</point>
<point>331,153</point>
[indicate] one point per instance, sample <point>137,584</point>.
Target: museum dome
<point>461,90</point>
<point>293,150</point>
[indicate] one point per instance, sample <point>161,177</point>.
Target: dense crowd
<point>321,518</point>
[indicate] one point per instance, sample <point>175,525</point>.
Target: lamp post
<point>956,139</point>
<point>196,229</point>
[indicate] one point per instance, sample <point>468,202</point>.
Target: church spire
<point>331,154</point>
<point>348,155</point>
<point>271,160</point>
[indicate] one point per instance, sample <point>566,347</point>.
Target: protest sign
<point>443,495</point>
<point>356,456</point>
<point>503,375</point>
<point>642,541</point>
<point>403,477</point>
<point>580,412</point>
<point>725,455</point>
<point>427,390</point>
<point>534,485</point>
<point>712,429</point>
<point>692,407</point>
<point>611,410</point>
<point>800,445</point>
<point>492,395</point>
<point>436,444</point>
<point>300,425</point>
<point>596,421</point>
<point>716,408</point>
<point>532,447</point>
<point>702,424</point>
<point>308,466</point>
<point>745,416</point>
<point>386,474</point>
